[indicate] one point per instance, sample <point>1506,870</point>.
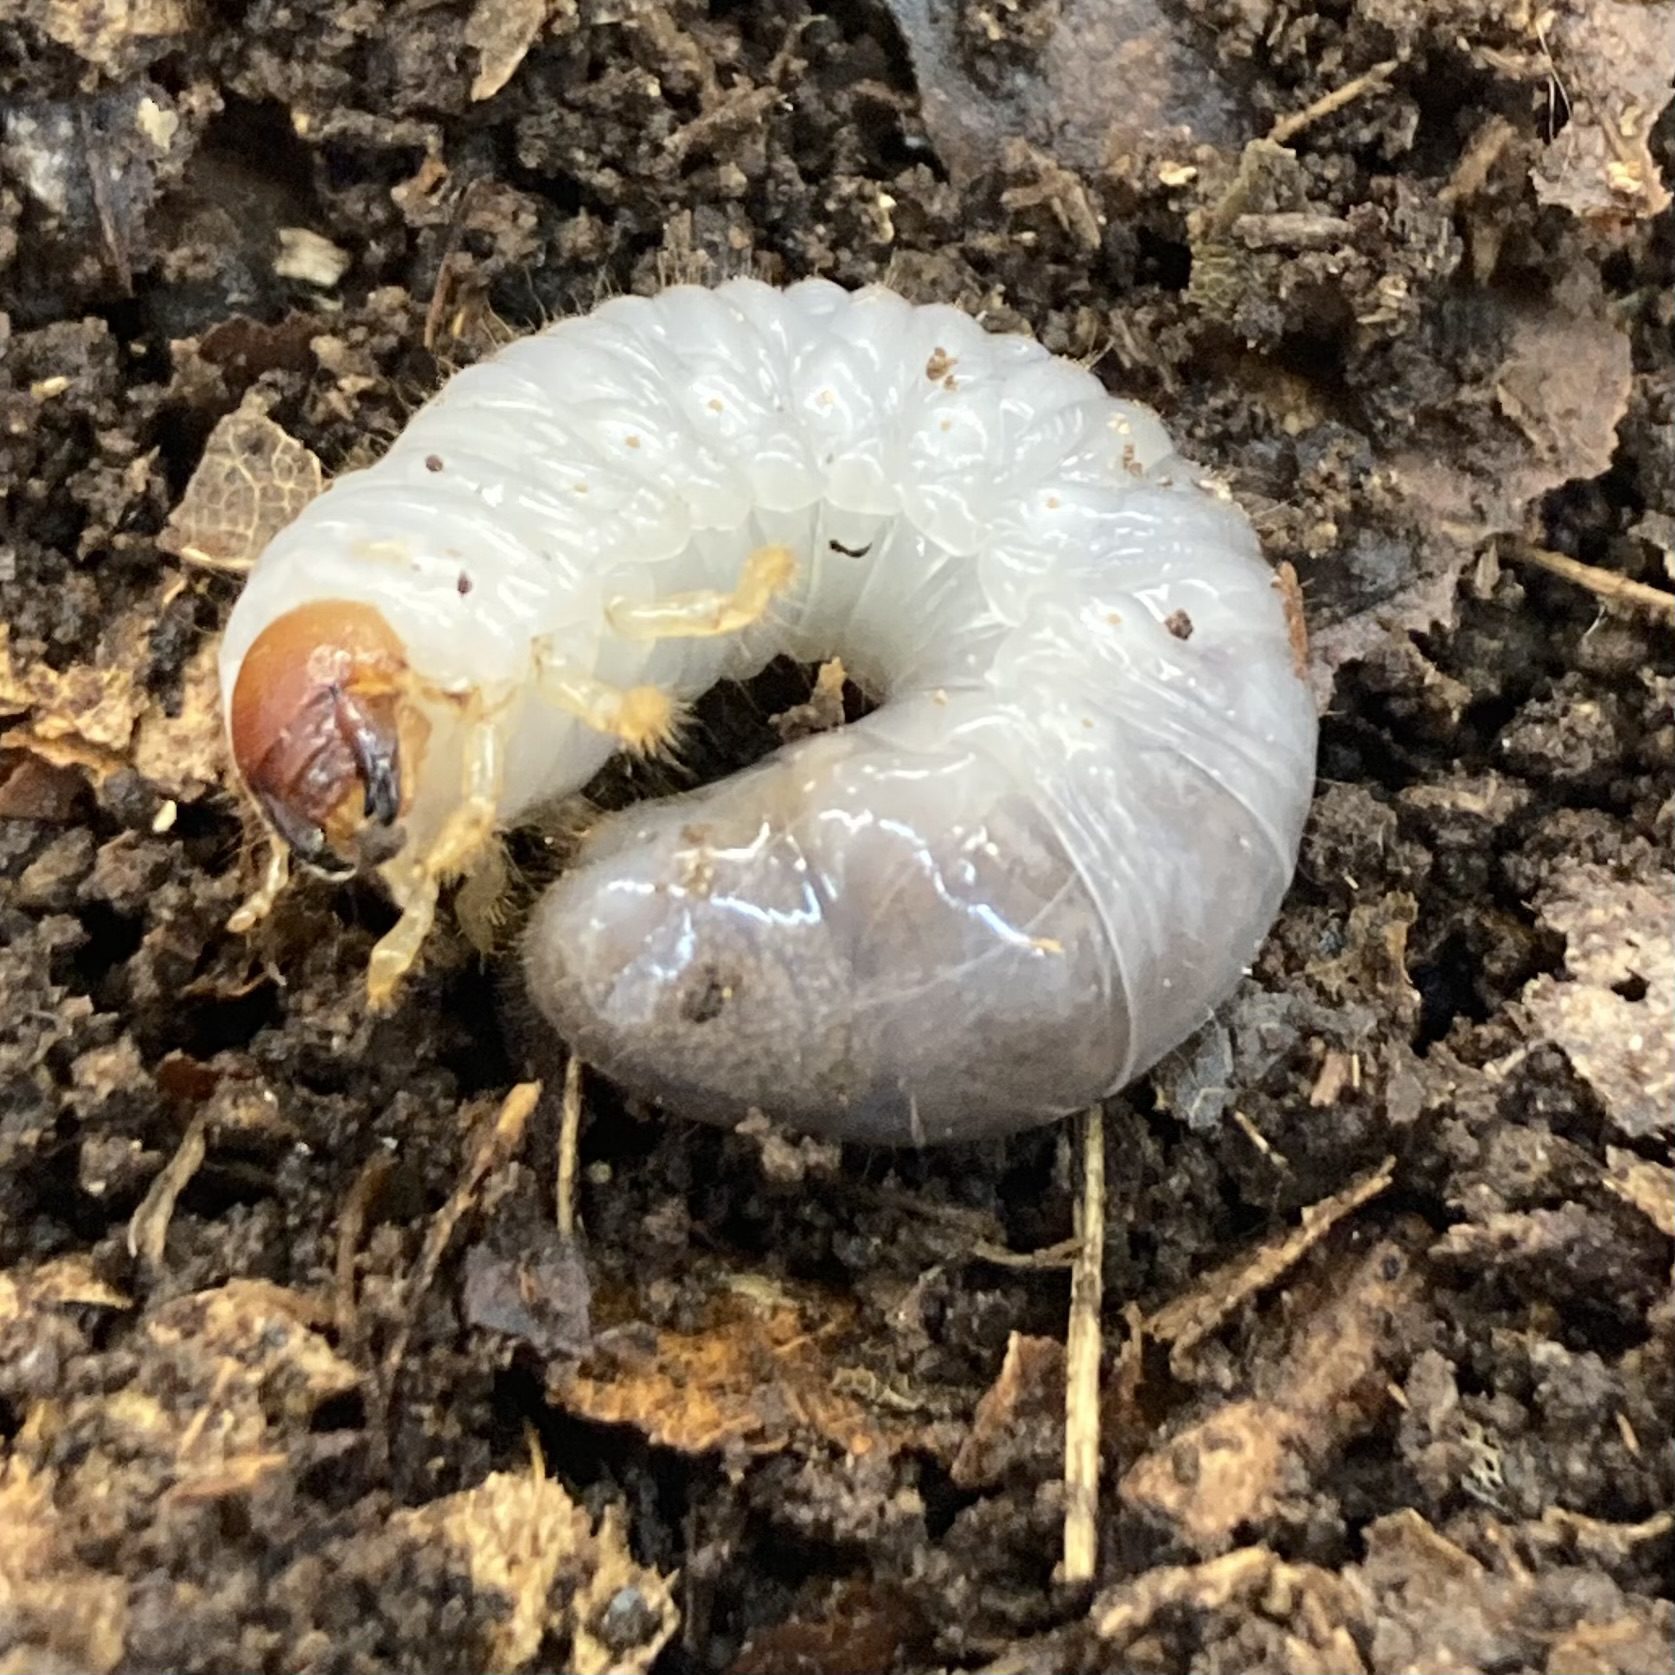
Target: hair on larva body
<point>1038,864</point>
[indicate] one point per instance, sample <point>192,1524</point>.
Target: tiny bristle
<point>253,836</point>
<point>648,720</point>
<point>484,904</point>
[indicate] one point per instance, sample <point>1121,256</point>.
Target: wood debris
<point>1184,1323</point>
<point>521,1537</point>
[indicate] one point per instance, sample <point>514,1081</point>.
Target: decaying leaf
<point>523,1538</point>
<point>1560,383</point>
<point>1614,1016</point>
<point>253,479</point>
<point>89,710</point>
<point>94,718</point>
<point>1112,75</point>
<point>1316,1387</point>
<point>529,1282</point>
<point>760,1371</point>
<point>185,754</point>
<point>1565,384</point>
<point>1614,64</point>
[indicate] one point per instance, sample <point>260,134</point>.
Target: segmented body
<point>1033,869</point>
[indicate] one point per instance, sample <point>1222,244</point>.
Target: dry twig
<point>351,1229</point>
<point>148,1227</point>
<point>1081,1364</point>
<point>569,1132</point>
<point>1061,1255</point>
<point>1288,127</point>
<point>1606,584</point>
<point>498,1144</point>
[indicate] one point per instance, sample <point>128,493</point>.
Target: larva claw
<point>469,827</point>
<point>259,904</point>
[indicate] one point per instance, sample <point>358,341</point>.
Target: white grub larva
<point>1038,864</point>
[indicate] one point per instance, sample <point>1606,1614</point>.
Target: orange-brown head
<point>316,721</point>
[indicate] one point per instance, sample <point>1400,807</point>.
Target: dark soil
<point>295,1370</point>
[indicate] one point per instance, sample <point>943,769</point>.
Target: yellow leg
<point>471,824</point>
<point>396,953</point>
<point>644,718</point>
<point>687,616</point>
<point>259,904</point>
<point>416,883</point>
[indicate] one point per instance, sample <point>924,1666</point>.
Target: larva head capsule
<point>317,721</point>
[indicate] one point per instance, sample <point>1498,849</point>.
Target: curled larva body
<point>1033,869</point>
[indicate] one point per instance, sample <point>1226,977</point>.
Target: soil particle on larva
<point>296,1369</point>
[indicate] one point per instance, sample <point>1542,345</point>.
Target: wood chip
<point>1648,1186</point>
<point>1186,1321</point>
<point>148,1228</point>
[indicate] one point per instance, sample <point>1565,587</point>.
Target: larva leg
<point>686,616</point>
<point>644,718</point>
<point>480,903</point>
<point>398,950</point>
<point>471,824</point>
<point>464,835</point>
<point>260,903</point>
